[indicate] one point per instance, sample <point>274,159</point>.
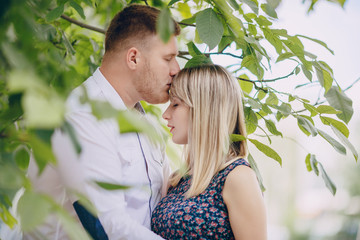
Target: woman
<point>216,195</point>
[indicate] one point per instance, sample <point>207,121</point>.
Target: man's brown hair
<point>134,22</point>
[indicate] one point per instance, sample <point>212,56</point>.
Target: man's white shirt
<point>108,156</point>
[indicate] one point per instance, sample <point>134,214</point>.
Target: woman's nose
<point>166,114</point>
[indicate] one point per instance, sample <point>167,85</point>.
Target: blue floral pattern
<point>201,217</point>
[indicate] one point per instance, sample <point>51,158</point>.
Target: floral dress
<point>201,217</point>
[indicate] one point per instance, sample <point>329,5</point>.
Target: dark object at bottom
<point>91,223</point>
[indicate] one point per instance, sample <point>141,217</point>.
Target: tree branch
<point>187,24</point>
<point>83,25</point>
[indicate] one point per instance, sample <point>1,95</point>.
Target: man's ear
<point>133,58</point>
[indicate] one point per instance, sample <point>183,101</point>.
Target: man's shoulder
<point>76,101</point>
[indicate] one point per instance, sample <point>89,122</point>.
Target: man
<point>136,66</point>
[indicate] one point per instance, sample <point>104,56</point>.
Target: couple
<point>216,196</point>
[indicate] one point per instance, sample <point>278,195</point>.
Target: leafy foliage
<point>48,47</point>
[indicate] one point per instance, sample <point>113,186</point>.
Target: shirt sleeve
<point>98,161</point>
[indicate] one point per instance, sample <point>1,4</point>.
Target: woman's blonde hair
<point>216,112</point>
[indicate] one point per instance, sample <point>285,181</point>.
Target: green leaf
<point>340,101</point>
<point>325,109</point>
<point>307,73</point>
<point>307,125</point>
<point>273,39</point>
<point>172,2</point>
<point>184,10</point>
<point>257,172</point>
<point>111,186</point>
<point>252,64</point>
<point>253,4</point>
<point>313,164</point>
<point>336,145</point>
<point>345,141</point>
<point>68,128</point>
<point>164,25</point>
<point>307,163</point>
<point>269,10</point>
<point>329,184</point>
<point>325,78</point>
<point>272,99</point>
<point>209,27</point>
<point>237,138</point>
<point>78,8</point>
<point>250,120</point>
<point>32,208</point>
<point>337,124</point>
<point>313,111</point>
<point>263,21</point>
<point>317,41</point>
<point>284,56</point>
<point>224,43</point>
<point>55,13</point>
<point>234,4</point>
<point>266,150</point>
<point>261,94</point>
<point>42,152</point>
<point>245,85</point>
<point>193,50</point>
<point>253,103</point>
<point>22,157</point>
<point>198,61</point>
<point>7,217</point>
<point>43,111</point>
<point>69,48</point>
<point>272,128</point>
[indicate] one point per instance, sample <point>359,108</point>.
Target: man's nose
<point>175,68</point>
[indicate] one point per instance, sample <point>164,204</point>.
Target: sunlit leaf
<point>237,138</point>
<point>275,41</point>
<point>245,85</point>
<point>272,99</point>
<point>198,61</point>
<point>311,109</point>
<point>250,120</point>
<point>337,124</point>
<point>184,10</point>
<point>268,151</point>
<point>325,109</point>
<point>307,163</point>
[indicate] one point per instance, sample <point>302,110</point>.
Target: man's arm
<point>98,161</point>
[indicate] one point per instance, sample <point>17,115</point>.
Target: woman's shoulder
<point>241,179</point>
